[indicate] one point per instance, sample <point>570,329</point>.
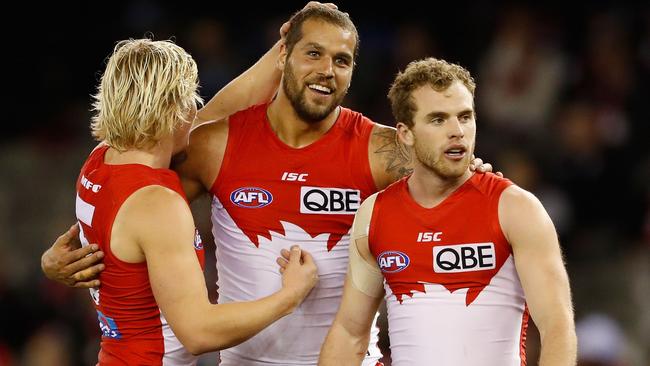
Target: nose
<point>326,67</point>
<point>455,129</point>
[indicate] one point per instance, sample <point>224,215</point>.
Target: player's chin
<point>456,169</point>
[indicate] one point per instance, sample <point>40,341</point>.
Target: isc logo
<point>464,258</point>
<point>429,237</point>
<point>251,197</point>
<point>294,177</point>
<point>329,201</point>
<point>393,261</point>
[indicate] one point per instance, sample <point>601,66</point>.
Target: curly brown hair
<point>439,74</point>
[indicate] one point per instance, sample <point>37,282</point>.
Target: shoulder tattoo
<point>396,157</point>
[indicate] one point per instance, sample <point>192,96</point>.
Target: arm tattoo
<point>396,157</point>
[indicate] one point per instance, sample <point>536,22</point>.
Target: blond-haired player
<point>153,306</point>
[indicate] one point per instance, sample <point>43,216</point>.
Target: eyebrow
<point>436,114</point>
<point>314,45</point>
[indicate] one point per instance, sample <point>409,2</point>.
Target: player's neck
<point>156,156</point>
<point>293,130</point>
<point>429,189</point>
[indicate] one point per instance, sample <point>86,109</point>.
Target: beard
<point>436,162</point>
<point>309,112</point>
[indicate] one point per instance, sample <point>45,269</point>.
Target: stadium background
<point>562,105</point>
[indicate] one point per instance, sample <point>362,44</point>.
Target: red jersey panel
<point>453,294</point>
<point>134,332</point>
<point>269,196</point>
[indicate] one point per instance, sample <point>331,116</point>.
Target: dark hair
<point>322,13</point>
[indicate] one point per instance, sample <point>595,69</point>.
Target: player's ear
<point>282,57</point>
<point>405,134</point>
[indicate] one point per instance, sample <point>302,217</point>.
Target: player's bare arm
<point>348,338</point>
<point>540,267</point>
<point>256,85</point>
<point>198,166</point>
<point>155,224</point>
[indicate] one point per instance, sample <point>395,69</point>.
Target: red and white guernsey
<point>452,290</point>
<point>134,331</point>
<point>269,196</point>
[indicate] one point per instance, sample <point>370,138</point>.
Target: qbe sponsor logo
<point>393,261</point>
<point>329,201</point>
<point>251,197</point>
<point>464,258</point>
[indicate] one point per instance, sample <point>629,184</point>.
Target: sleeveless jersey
<point>134,331</point>
<point>452,291</point>
<point>269,196</point>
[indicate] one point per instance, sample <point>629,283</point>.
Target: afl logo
<point>391,261</point>
<point>251,197</point>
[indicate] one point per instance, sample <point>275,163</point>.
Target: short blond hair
<point>146,92</point>
<point>439,74</point>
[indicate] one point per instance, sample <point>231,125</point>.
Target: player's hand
<point>68,263</point>
<point>284,29</point>
<point>478,166</point>
<point>299,272</point>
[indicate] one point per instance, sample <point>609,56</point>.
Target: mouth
<point>456,152</point>
<point>320,89</point>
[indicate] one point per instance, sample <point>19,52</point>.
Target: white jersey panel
<point>247,272</point>
<point>436,327</point>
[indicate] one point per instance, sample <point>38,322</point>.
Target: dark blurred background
<point>562,103</point>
